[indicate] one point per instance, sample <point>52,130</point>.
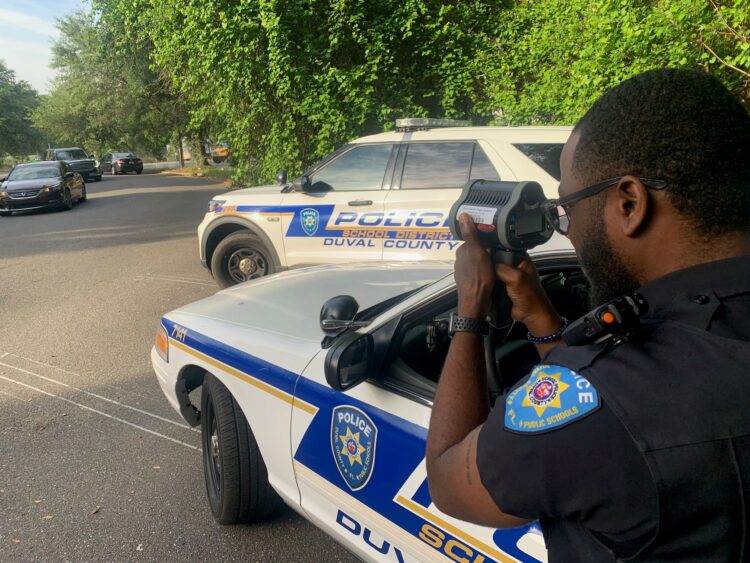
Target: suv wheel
<point>235,474</point>
<point>238,258</point>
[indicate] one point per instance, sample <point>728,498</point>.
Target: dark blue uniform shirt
<point>660,469</point>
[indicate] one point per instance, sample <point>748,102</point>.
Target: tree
<point>17,101</point>
<point>106,96</point>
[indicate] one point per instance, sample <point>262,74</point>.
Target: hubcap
<point>246,264</point>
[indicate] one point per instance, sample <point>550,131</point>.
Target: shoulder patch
<point>552,397</point>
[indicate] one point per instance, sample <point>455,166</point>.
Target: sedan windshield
<point>33,173</point>
<point>71,155</point>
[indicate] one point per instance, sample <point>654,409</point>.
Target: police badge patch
<point>353,440</point>
<point>309,219</point>
<point>553,396</point>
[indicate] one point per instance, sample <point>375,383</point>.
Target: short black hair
<point>678,125</point>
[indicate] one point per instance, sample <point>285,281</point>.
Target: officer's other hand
<point>473,273</point>
<point>531,305</point>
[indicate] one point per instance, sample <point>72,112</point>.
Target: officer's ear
<point>633,205</point>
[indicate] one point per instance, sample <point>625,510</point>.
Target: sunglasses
<point>557,210</point>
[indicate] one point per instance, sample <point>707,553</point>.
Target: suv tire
<point>240,257</point>
<point>235,474</point>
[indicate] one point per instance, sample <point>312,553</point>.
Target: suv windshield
<point>33,173</point>
<point>72,154</point>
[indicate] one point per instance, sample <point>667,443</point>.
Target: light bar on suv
<point>415,123</point>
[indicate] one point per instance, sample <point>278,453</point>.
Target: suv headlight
<point>215,204</point>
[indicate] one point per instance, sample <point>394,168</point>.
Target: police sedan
<point>313,387</point>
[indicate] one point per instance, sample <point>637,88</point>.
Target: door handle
<point>360,202</point>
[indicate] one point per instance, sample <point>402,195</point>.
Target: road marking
<point>123,405</point>
<point>78,375</point>
<point>84,407</point>
<point>13,396</point>
<point>165,278</point>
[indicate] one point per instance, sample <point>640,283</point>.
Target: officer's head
<point>675,148</point>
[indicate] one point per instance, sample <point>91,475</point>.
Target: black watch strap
<point>467,324</point>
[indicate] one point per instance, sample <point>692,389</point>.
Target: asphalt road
<point>94,464</point>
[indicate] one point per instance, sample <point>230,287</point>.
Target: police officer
<point>635,450</point>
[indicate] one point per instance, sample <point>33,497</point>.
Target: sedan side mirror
<point>350,361</point>
<point>281,177</point>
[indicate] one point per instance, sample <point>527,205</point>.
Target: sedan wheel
<point>67,202</point>
<point>235,474</point>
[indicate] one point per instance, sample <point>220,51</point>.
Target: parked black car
<point>78,160</point>
<point>121,163</point>
<point>41,184</point>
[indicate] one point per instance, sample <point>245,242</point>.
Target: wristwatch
<point>467,324</point>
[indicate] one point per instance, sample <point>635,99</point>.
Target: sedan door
<point>106,163</point>
<point>360,458</point>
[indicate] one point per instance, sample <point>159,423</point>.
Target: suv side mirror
<point>303,184</point>
<point>70,174</point>
<point>350,361</point>
<point>2,179</point>
<point>281,177</point>
<point>92,156</point>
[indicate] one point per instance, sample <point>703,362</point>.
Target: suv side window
<point>359,169</point>
<point>436,165</point>
<point>545,155</point>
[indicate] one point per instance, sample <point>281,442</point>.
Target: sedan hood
<point>289,303</point>
<point>21,185</point>
<point>277,318</point>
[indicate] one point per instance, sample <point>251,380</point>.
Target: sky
<point>27,30</point>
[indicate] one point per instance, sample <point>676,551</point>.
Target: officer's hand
<point>530,303</point>
<point>473,273</point>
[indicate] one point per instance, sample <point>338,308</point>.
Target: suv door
<point>429,178</point>
<point>340,219</point>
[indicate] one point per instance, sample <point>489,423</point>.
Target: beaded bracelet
<point>549,337</point>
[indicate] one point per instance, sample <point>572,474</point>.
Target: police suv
<point>382,197</point>
<point>314,386</point>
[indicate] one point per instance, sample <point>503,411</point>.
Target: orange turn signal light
<point>161,343</point>
<point>608,317</point>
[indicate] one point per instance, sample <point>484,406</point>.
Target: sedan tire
<point>67,203</point>
<point>235,474</point>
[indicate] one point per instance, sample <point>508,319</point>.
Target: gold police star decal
<point>352,448</point>
<point>544,392</point>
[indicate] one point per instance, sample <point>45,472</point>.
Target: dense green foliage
<point>287,81</point>
<point>17,100</point>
